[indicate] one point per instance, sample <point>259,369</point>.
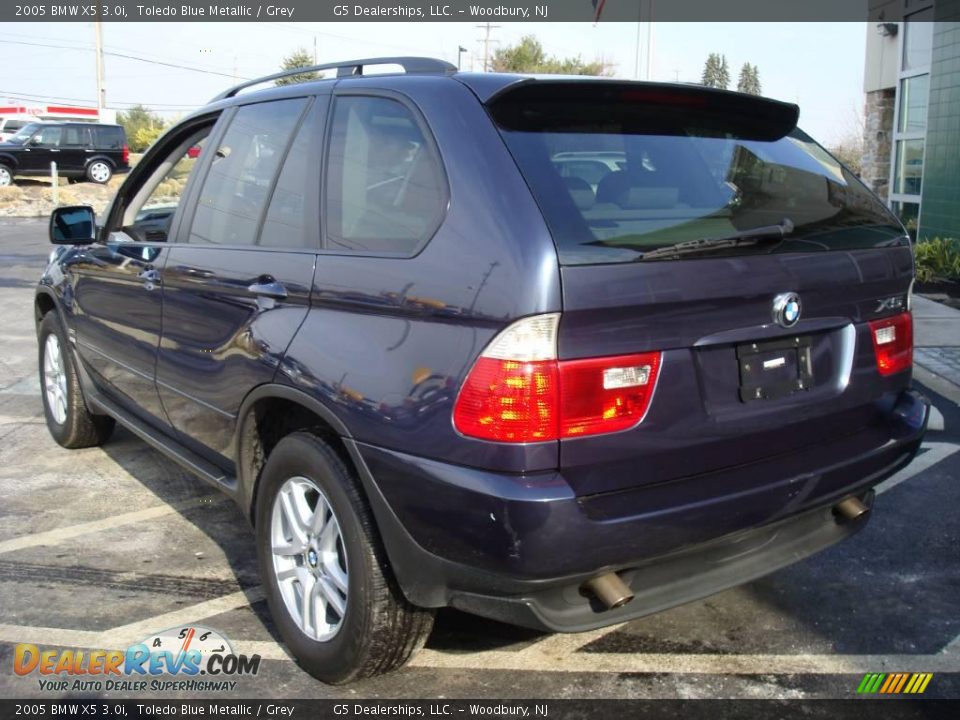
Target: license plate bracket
<point>774,368</point>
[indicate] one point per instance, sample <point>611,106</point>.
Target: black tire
<point>99,171</point>
<point>6,175</point>
<point>380,629</point>
<point>79,428</point>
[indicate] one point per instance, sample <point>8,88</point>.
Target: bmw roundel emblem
<point>786,309</point>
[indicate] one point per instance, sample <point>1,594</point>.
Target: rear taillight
<point>126,154</point>
<point>518,391</point>
<point>893,343</point>
<point>606,394</point>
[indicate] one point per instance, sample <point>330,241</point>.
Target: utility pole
<point>101,90</point>
<point>486,43</point>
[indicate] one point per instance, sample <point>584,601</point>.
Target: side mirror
<point>35,140</point>
<point>73,225</point>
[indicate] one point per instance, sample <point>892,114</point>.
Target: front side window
<point>48,136</point>
<point>242,171</point>
<point>151,209</point>
<point>385,188</point>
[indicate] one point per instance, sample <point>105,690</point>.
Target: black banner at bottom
<point>484,709</point>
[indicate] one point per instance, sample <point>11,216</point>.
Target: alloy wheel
<point>309,558</point>
<point>55,379</point>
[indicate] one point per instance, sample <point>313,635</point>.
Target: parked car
<point>82,151</point>
<point>432,376</point>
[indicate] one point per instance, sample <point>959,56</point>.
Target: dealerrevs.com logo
<point>190,659</point>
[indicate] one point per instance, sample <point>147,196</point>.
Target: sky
<point>819,66</point>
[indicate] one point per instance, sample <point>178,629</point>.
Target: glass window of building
<point>917,39</point>
<point>909,167</point>
<point>914,96</point>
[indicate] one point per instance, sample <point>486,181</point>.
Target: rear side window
<point>285,224</point>
<point>107,138</point>
<point>237,187</point>
<point>75,136</point>
<point>385,188</point>
<point>619,171</point>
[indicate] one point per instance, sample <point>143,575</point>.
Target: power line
<point>127,57</point>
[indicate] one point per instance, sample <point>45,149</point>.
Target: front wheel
<point>329,584</point>
<point>69,420</point>
<point>99,172</point>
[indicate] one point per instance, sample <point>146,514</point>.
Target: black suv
<point>439,364</point>
<point>91,151</point>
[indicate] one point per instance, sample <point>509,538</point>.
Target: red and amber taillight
<point>517,391</point>
<point>893,343</point>
<point>126,154</point>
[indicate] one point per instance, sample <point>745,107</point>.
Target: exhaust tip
<point>850,509</point>
<point>609,589</point>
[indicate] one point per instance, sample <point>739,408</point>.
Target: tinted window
<point>686,174</point>
<point>385,192</point>
<point>107,137</point>
<point>285,224</point>
<point>243,168</point>
<point>75,136</point>
<point>48,136</point>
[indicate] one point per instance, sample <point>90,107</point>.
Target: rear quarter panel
<point>388,341</point>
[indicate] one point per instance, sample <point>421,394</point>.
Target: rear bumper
<point>517,548</point>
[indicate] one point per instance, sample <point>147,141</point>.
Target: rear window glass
<point>619,178</point>
<point>107,138</point>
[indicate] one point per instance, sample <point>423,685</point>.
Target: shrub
<point>937,259</point>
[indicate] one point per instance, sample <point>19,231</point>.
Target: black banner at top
<point>455,10</point>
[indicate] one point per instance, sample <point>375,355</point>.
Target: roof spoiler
<point>648,108</point>
<point>349,68</point>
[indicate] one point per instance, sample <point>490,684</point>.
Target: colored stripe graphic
<point>894,683</point>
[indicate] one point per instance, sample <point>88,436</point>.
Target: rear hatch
<point>699,223</point>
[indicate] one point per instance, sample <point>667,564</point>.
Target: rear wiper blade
<point>752,236</point>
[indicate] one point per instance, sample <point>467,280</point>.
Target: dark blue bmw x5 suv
<point>559,352</point>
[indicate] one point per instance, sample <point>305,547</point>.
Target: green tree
<point>749,81</point>
<point>528,56</point>
<point>298,59</point>
<point>142,127</point>
<point>716,73</point>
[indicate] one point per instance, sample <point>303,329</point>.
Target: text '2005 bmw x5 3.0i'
<point>438,367</point>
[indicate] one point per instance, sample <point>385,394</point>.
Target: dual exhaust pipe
<point>613,592</point>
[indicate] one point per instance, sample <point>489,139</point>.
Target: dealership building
<point>912,117</point>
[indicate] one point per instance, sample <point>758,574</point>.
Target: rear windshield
<point>617,178</point>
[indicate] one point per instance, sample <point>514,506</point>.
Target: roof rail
<point>348,69</point>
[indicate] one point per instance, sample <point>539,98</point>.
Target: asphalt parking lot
<point>103,547</point>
